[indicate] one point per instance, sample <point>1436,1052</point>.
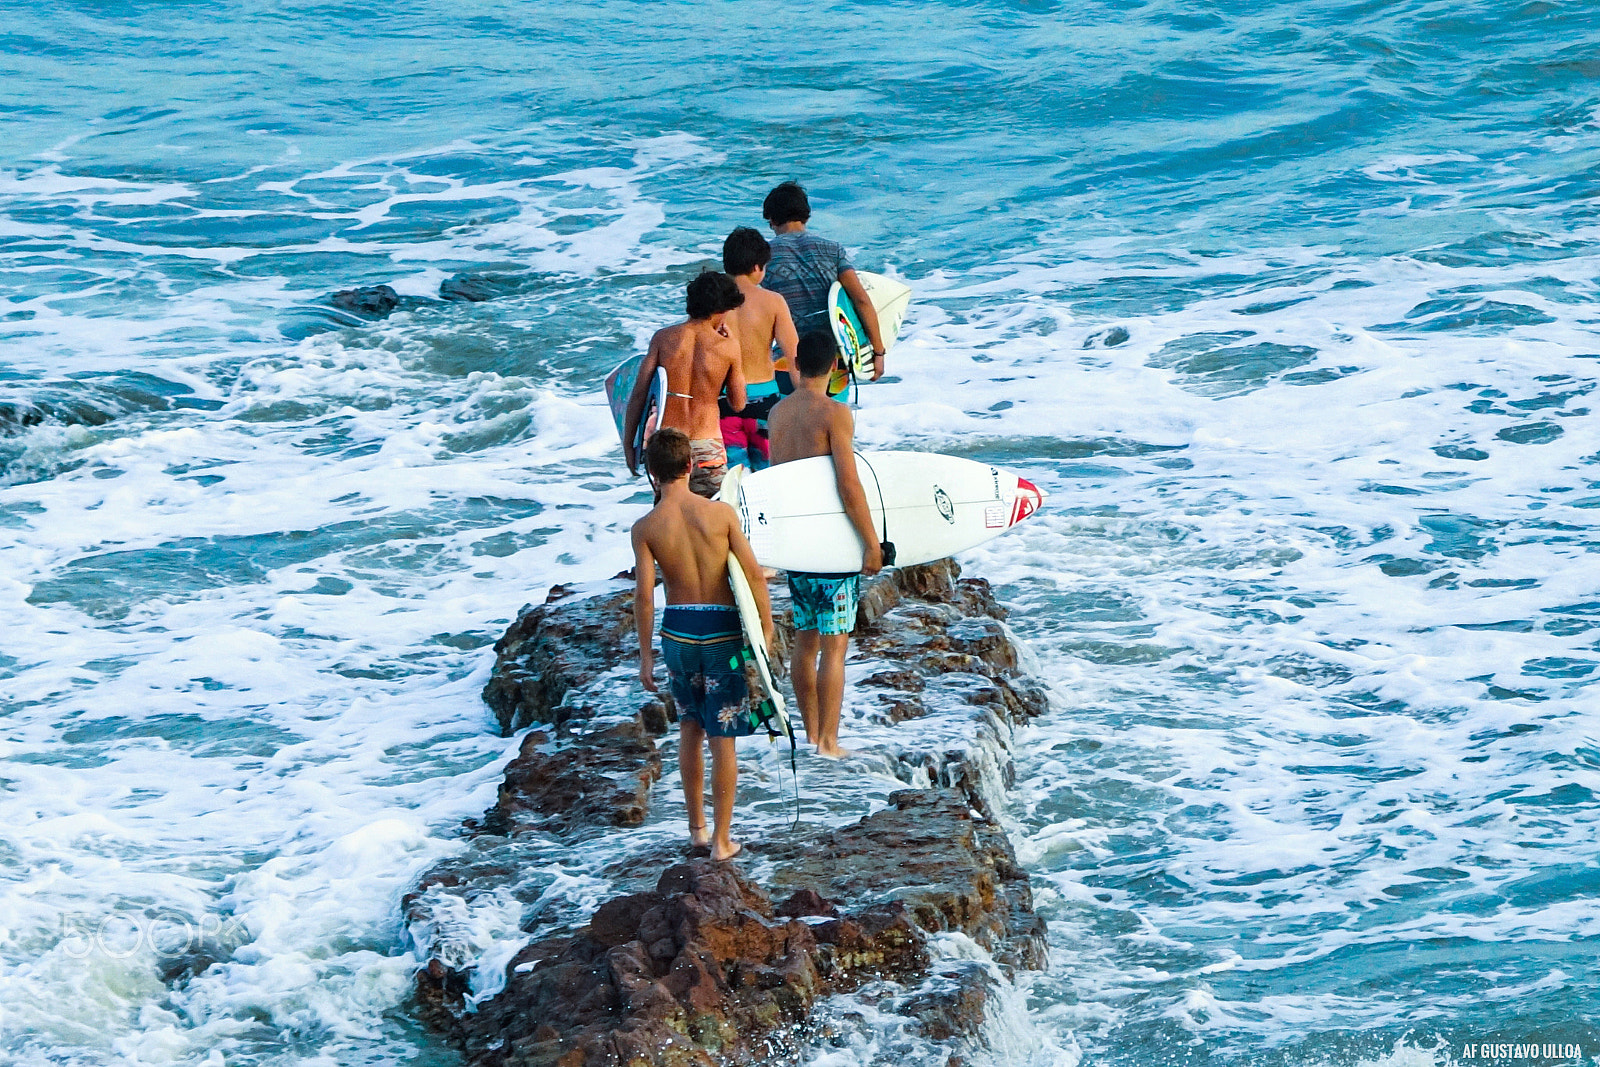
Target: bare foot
<point>835,752</point>
<point>699,836</point>
<point>734,848</point>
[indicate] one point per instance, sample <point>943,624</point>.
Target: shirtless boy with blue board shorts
<point>700,633</point>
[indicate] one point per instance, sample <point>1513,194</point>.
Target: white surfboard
<point>927,505</point>
<point>889,299</point>
<point>744,599</point>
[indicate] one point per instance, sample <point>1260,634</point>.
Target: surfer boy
<point>804,424</point>
<point>804,267</point>
<point>700,633</point>
<point>702,359</point>
<point>759,323</point>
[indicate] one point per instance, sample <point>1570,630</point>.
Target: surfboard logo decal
<point>848,328</point>
<point>1028,500</point>
<point>941,500</point>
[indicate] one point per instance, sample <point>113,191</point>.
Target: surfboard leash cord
<point>794,771</point>
<point>885,546</point>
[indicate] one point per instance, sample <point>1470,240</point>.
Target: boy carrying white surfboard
<point>804,424</point>
<point>701,635</point>
<point>804,267</point>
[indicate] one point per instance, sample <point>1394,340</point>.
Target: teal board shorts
<point>825,603</point>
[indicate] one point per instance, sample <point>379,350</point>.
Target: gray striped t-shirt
<point>803,269</point>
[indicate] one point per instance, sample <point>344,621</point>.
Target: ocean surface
<point>1290,307</point>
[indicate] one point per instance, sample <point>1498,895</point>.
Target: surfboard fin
<point>1030,498</point>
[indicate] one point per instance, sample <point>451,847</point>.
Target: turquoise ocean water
<point>1290,307</point>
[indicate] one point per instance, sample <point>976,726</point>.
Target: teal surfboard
<point>889,299</point>
<point>619,387</point>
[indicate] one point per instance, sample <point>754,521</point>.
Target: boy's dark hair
<point>744,251</point>
<point>816,355</point>
<point>711,293</point>
<point>786,203</point>
<point>666,454</point>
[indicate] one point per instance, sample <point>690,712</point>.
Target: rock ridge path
<point>579,929</point>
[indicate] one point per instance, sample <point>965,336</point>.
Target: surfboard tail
<point>1030,498</point>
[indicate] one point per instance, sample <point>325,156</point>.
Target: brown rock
<point>929,581</point>
<point>806,902</point>
<point>617,920</point>
<point>655,717</point>
<point>927,853</point>
<point>952,1010</point>
<point>601,779</point>
<point>554,648</point>
<point>740,979</point>
<point>901,710</point>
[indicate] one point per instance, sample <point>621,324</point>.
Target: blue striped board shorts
<point>702,646</point>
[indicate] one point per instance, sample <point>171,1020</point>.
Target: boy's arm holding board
<point>733,383</point>
<point>867,313</point>
<point>641,389</point>
<point>784,333</point>
<point>841,444</point>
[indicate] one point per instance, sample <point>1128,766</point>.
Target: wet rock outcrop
<point>476,288</point>
<point>687,961</point>
<point>602,778</point>
<point>370,302</point>
<point>582,646</point>
<point>928,854</point>
<point>705,969</point>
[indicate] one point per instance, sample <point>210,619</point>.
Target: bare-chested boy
<point>702,359</point>
<point>804,424</point>
<point>762,320</point>
<point>700,635</point>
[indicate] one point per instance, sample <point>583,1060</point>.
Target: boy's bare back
<point>762,319</point>
<point>807,423</point>
<point>690,538</point>
<point>699,361</point>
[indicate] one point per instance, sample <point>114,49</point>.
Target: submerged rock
<point>1107,338</point>
<point>371,302</point>
<point>476,288</point>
